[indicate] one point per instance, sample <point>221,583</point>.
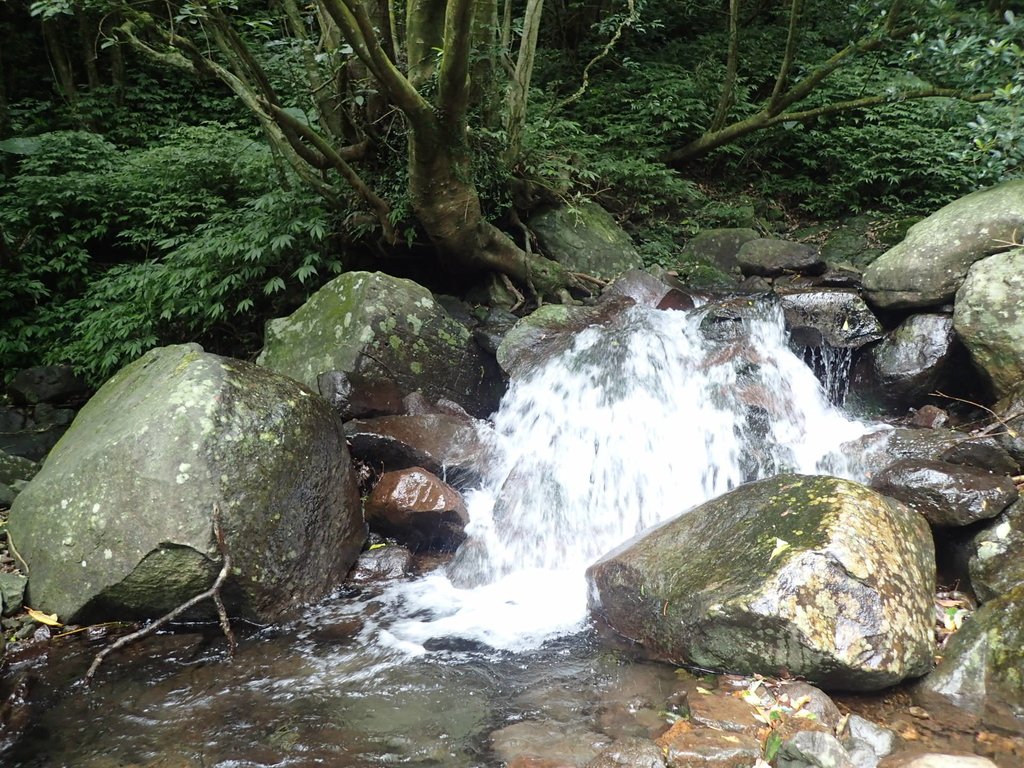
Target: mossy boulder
<point>997,554</point>
<point>776,575</point>
<point>982,667</point>
<point>720,247</point>
<point>989,318</point>
<point>928,267</point>
<point>120,521</point>
<point>384,328</point>
<point>584,237</point>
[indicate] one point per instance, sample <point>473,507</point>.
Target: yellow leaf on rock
<point>49,619</point>
<point>780,547</point>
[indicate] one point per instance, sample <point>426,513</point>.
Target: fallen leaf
<point>49,619</point>
<point>780,547</point>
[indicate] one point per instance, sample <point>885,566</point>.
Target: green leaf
<point>20,145</point>
<point>772,745</point>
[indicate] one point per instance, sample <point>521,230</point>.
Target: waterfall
<point>637,421</point>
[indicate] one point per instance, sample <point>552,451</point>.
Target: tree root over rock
<point>213,593</point>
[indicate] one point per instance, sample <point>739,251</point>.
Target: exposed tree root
<point>213,593</point>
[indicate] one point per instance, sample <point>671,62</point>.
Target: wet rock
<point>1009,412</point>
<point>928,267</point>
<point>12,592</point>
<point>727,320</point>
<point>936,760</point>
<point>448,446</point>
<point>720,247</point>
<point>908,364</point>
<point>383,328</point>
<point>867,742</point>
<point>47,384</point>
<point>996,563</point>
<point>929,417</point>
<point>840,319</point>
<point>490,332</point>
<point>983,453</point>
<point>946,494</point>
<point>683,746</point>
<point>839,277</point>
<point>878,450</point>
<point>629,753</point>
<point>721,711</point>
<point>11,419</point>
<point>981,665</point>
<point>774,575</point>
<point>419,509</point>
<point>813,749</point>
<point>353,396</point>
<point>550,330</point>
<point>584,237</point>
<point>767,257</point>
<point>813,700</point>
<point>988,317</point>
<point>384,562</point>
<point>647,290</point>
<point>119,521</point>
<point>15,468</point>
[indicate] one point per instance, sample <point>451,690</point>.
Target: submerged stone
<point>119,523</point>
<point>775,576</point>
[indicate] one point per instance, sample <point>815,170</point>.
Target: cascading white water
<point>638,421</point>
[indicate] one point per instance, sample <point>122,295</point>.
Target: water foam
<point>638,421</point>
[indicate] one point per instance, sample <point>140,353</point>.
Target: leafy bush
<point>115,252</point>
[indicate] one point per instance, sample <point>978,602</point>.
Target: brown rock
<point>418,508</point>
<point>683,745</point>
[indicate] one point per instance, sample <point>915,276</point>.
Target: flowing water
<point>634,422</point>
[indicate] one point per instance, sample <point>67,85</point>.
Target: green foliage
<point>902,156</point>
<point>119,251</point>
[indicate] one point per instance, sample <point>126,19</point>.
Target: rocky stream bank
<point>341,463</point>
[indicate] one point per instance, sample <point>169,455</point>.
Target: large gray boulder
<point>119,522</point>
<point>927,268</point>
<point>720,247</point>
<point>775,576</point>
<point>989,319</point>
<point>585,238</point>
<point>380,327</point>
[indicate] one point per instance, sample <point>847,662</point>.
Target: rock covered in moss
<point>119,522</point>
<point>584,237</point>
<point>770,257</point>
<point>982,667</point>
<point>996,561</point>
<point>989,320</point>
<point>379,327</point>
<point>928,267</point>
<point>775,576</point>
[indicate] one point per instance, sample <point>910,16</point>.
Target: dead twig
<point>990,427</point>
<point>213,593</point>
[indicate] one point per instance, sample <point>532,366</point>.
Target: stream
<point>475,659</point>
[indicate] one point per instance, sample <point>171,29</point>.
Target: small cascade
<point>638,421</point>
<point>832,367</point>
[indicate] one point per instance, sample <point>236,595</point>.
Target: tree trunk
<point>424,39</point>
<point>448,207</point>
<point>59,60</point>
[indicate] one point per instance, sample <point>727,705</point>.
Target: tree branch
<point>728,94</point>
<point>790,53</point>
<point>212,593</point>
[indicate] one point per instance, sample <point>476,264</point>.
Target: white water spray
<point>638,421</point>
